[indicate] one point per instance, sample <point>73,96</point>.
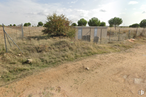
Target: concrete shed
<point>92,33</point>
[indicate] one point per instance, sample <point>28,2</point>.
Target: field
<point>47,54</point>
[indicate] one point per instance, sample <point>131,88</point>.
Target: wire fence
<point>114,35</point>
<point>18,33</point>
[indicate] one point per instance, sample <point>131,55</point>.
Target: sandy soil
<point>110,75</point>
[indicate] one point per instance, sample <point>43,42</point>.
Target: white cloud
<point>21,11</point>
<point>143,7</point>
<point>74,1</point>
<point>133,2</point>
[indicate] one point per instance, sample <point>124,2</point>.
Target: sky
<point>33,11</point>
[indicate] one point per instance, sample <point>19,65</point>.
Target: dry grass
<point>45,52</point>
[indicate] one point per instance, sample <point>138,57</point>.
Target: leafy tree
<point>102,24</point>
<point>14,24</point>
<point>143,23</point>
<point>29,24</point>
<point>111,22</point>
<point>115,21</point>
<point>25,24</point>
<point>134,25</point>
<point>73,24</point>
<point>10,24</point>
<point>82,22</point>
<point>40,24</point>
<point>57,25</point>
<point>94,22</point>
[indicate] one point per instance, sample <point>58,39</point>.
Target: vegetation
<point>40,24</point>
<point>14,24</point>
<point>10,25</point>
<point>27,24</point>
<point>143,23</point>
<point>73,24</point>
<point>134,25</point>
<point>82,22</point>
<point>115,21</point>
<point>102,24</point>
<point>57,25</point>
<point>94,22</point>
<point>49,53</point>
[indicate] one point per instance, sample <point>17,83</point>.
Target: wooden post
<point>22,30</point>
<point>100,36</point>
<point>110,35</point>
<point>5,38</point>
<point>119,35</point>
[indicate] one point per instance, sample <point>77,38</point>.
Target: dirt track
<point>110,75</point>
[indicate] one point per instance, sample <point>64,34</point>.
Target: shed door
<point>80,33</point>
<point>95,32</point>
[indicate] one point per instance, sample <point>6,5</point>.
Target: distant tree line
<point>92,22</point>
<point>141,24</point>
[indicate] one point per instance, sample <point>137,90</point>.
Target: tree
<point>111,22</point>
<point>82,22</point>
<point>57,25</point>
<point>73,24</point>
<point>102,24</point>
<point>10,24</point>
<point>143,23</point>
<point>26,24</point>
<point>94,22</point>
<point>134,25</point>
<point>29,24</point>
<point>14,24</point>
<point>115,21</point>
<point>40,24</point>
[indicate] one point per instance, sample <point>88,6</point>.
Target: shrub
<point>71,33</point>
<point>57,25</point>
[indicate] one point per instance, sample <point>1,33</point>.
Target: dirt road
<point>110,75</point>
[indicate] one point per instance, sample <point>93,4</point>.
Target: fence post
<point>136,32</point>
<point>110,35</point>
<point>22,30</point>
<point>129,34</point>
<point>5,38</point>
<point>100,36</point>
<point>119,35</point>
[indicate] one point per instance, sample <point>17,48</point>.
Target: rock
<point>19,54</point>
<point>29,61</point>
<point>138,80</point>
<point>87,68</point>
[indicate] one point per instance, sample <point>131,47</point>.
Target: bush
<point>71,33</point>
<point>57,25</point>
